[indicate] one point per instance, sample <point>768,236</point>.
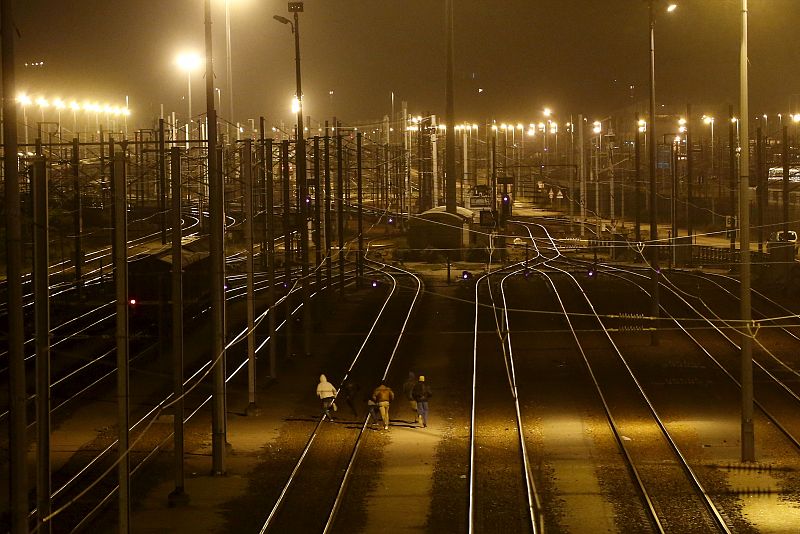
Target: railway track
<point>319,478</point>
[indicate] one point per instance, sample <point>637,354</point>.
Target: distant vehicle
<point>780,238</point>
<point>479,196</point>
<point>776,173</point>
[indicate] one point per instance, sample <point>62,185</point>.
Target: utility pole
<point>17,443</point>
<point>638,186</point>
<point>651,127</point>
<point>41,288</point>
<point>217,254</point>
<point>748,434</point>
<point>450,119</point>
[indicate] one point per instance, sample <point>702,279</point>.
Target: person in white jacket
<point>327,393</point>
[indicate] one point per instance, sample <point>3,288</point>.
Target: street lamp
<point>710,121</point>
<point>295,8</point>
<point>24,101</point>
<point>652,164</point>
<point>188,61</point>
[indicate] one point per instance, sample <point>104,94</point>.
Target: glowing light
<point>24,99</point>
<point>188,61</point>
<point>796,117</point>
<point>42,102</point>
<point>671,8</point>
<point>597,127</point>
<point>74,106</point>
<point>59,104</point>
<point>547,112</point>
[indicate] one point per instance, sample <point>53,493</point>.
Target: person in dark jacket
<point>408,387</point>
<point>349,391</point>
<point>421,393</point>
<point>382,396</point>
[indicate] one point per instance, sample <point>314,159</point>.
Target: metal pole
<point>638,187</point>
<point>121,284</point>
<point>286,187</point>
<point>759,188</point>
<point>77,214</point>
<point>748,435</point>
<point>229,62</point>
<point>178,496</point>
<point>42,321</point>
<point>360,261</point>
<point>732,175</point>
<point>689,174</point>
<point>300,163</point>
<point>18,479</point>
<point>651,127</point>
<point>340,206</point>
<point>328,266</point>
<point>450,119</point>
<point>674,149</point>
<point>217,254</point>
<point>288,229</point>
<point>785,162</point>
<point>317,226</point>
<point>247,175</point>
<point>582,173</point>
<point>270,223</point>
<point>162,180</point>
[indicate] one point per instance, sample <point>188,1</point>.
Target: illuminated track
<point>493,460</point>
<point>606,365</point>
<point>384,338</point>
<point>92,478</point>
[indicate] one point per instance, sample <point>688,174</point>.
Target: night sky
<point>571,55</point>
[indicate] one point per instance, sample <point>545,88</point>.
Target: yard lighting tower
<point>652,163</point>
<point>300,153</point>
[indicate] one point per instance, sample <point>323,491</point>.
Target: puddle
<point>761,503</point>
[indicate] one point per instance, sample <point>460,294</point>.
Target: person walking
<point>349,391</point>
<point>421,393</point>
<point>408,388</point>
<point>383,396</point>
<point>372,409</point>
<point>327,393</point>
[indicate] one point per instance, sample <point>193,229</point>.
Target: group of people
<point>416,390</point>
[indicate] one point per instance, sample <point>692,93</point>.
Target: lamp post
<point>747,433</point>
<point>229,63</point>
<point>25,101</point>
<point>597,129</point>
<point>188,62</point>
<point>652,167</point>
<point>300,152</point>
<point>710,121</point>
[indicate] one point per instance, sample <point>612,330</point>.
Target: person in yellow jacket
<point>383,396</point>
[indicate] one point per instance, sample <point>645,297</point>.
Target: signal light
<point>466,275</point>
<point>391,220</point>
<point>592,273</point>
<point>132,302</point>
<point>374,283</point>
<point>308,199</point>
